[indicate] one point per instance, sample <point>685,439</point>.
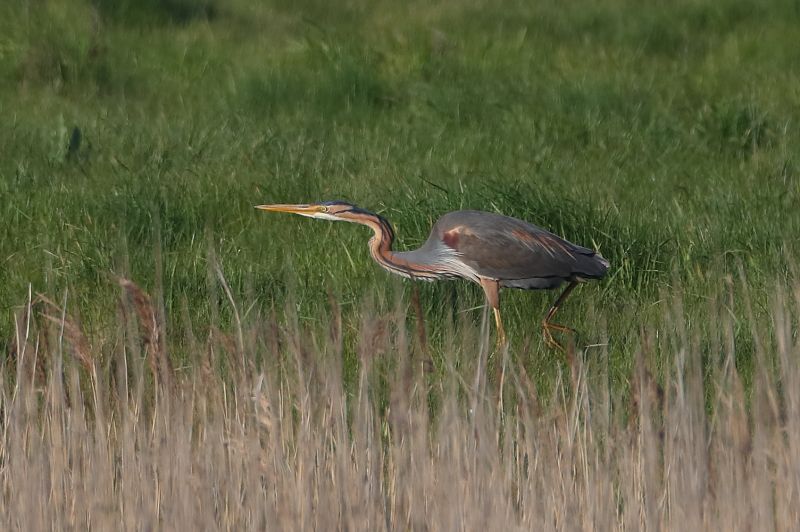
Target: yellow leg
<point>501,333</point>
<point>491,287</point>
<point>502,347</point>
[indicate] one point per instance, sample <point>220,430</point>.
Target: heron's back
<point>514,252</point>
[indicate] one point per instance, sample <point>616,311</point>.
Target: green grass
<point>666,136</point>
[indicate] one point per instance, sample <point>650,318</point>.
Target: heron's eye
<point>324,208</point>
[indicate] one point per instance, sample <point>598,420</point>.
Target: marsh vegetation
<point>169,356</point>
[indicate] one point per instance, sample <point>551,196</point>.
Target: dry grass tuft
<point>282,445</point>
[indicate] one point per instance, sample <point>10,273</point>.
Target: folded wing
<point>511,250</point>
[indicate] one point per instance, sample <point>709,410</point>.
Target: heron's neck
<point>380,247</point>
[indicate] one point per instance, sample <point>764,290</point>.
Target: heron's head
<point>329,210</point>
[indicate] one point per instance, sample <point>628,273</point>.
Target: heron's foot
<point>548,327</point>
<point>550,341</point>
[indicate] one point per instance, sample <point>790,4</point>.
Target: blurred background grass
<point>137,136</point>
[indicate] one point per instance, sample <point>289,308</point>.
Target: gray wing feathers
<point>504,248</point>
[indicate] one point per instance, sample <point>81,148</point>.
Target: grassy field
<point>137,137</point>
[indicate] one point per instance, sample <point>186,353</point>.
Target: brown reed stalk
<point>73,333</point>
<point>151,336</point>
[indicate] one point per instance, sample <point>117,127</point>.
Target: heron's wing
<point>505,248</point>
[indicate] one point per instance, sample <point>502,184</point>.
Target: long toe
<point>553,344</point>
<point>559,327</point>
<point>548,338</point>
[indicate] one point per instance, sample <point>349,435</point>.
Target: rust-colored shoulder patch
<point>450,238</point>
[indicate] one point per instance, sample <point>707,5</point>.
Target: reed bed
<point>260,430</point>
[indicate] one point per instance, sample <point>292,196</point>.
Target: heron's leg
<point>501,332</point>
<point>547,325</point>
<point>491,288</point>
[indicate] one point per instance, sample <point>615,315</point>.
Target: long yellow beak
<point>295,209</point>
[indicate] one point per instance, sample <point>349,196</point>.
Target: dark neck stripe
<point>381,250</point>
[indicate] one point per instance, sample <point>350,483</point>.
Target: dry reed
<point>280,445</point>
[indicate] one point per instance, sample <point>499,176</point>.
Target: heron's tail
<point>592,266</point>
<point>603,262</point>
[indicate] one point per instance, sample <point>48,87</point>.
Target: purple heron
<point>490,249</point>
